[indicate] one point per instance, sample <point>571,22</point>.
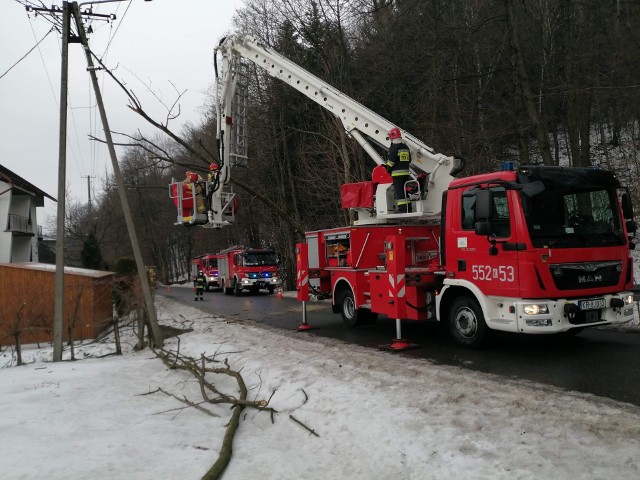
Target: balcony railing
<point>20,224</point>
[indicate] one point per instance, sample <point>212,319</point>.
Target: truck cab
<point>241,268</point>
<point>538,250</point>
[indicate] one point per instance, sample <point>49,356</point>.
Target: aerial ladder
<point>368,128</point>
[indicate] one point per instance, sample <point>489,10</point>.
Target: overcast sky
<point>156,43</point>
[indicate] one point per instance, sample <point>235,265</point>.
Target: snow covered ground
<point>378,415</point>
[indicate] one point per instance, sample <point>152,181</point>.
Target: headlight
<point>535,309</point>
<point>629,299</point>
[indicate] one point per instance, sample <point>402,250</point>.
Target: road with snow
<point>598,361</point>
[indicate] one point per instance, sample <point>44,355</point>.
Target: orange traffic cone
<point>279,292</point>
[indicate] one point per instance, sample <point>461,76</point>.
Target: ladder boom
<point>358,120</point>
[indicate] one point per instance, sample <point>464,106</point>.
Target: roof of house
<point>13,179</point>
<point>46,267</point>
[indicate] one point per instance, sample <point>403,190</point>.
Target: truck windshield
<point>260,259</point>
<point>573,217</point>
<point>213,263</point>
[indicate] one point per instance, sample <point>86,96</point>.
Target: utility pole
<point>69,9</point>
<point>89,177</point>
<point>58,316</point>
<point>137,253</point>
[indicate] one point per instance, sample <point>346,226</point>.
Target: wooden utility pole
<point>137,253</point>
<point>69,9</point>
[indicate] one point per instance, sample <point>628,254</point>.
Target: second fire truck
<point>242,268</point>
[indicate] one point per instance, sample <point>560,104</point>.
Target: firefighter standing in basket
<point>398,166</point>
<point>196,180</point>
<point>200,283</point>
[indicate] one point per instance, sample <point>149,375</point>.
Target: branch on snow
<point>212,395</point>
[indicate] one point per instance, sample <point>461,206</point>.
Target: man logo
<point>589,278</point>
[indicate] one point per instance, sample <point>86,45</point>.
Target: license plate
<point>595,304</point>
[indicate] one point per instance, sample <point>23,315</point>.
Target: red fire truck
<point>532,250</point>
<point>207,264</point>
<point>243,268</point>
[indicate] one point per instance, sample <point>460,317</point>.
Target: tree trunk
<point>523,89</point>
<point>16,337</point>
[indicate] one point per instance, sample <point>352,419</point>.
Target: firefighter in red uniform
<point>199,194</point>
<point>398,166</point>
<point>200,283</point>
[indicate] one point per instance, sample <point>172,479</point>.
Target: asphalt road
<point>597,361</point>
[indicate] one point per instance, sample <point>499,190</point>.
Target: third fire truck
<point>208,265</point>
<point>532,250</point>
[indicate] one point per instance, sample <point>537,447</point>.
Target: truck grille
<point>571,276</point>
<point>261,274</point>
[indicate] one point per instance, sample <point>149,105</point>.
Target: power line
<point>112,35</point>
<point>26,54</point>
<point>117,28</point>
<point>55,99</point>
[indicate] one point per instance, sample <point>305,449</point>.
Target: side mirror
<point>484,211</point>
<point>627,207</point>
<point>632,228</point>
<point>484,204</point>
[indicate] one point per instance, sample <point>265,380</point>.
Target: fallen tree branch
<point>191,404</point>
<point>175,361</point>
<point>303,425</point>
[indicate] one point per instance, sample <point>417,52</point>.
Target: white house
<point>19,229</point>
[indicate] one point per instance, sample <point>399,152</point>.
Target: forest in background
<point>530,81</point>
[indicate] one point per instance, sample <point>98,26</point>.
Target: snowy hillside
<point>377,415</point>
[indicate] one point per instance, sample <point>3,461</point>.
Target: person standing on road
<point>200,283</point>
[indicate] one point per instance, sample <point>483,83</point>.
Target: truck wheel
<point>348,309</point>
<point>466,322</point>
<point>271,288</point>
<point>237,288</point>
<point>207,288</point>
<point>351,315</point>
